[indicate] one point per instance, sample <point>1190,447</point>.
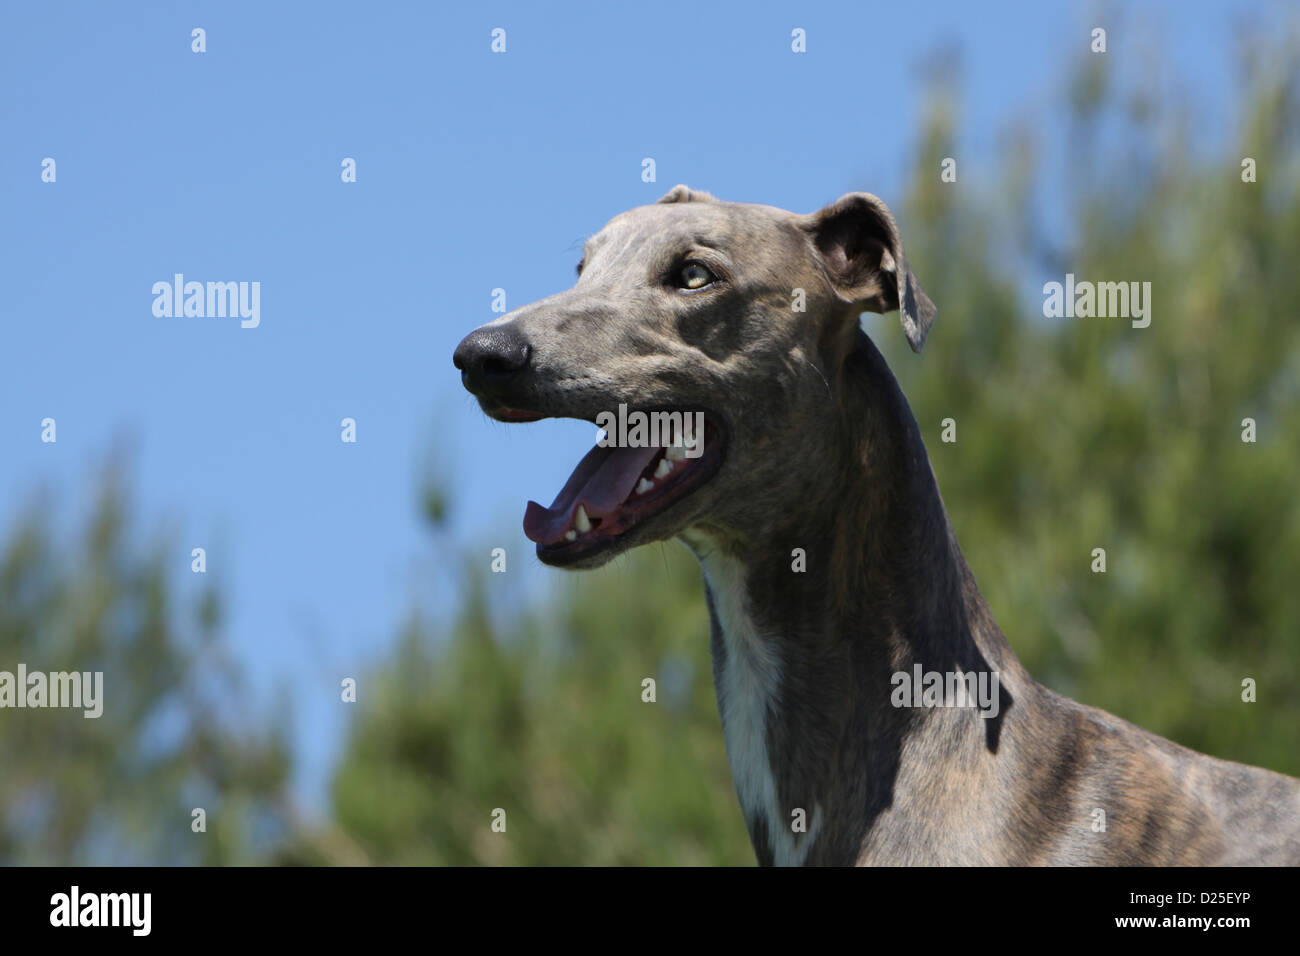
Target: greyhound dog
<point>832,574</point>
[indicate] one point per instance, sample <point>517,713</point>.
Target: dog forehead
<point>714,224</point>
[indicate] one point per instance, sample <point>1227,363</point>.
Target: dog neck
<point>804,657</point>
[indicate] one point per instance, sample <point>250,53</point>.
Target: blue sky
<point>475,171</point>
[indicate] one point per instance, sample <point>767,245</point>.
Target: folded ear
<point>862,251</point>
<point>681,193</point>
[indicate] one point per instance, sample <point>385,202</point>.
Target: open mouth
<point>614,489</point>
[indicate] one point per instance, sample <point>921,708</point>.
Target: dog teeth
<point>675,453</point>
<point>665,466</point>
<point>582,523</point>
<point>644,485</point>
<point>570,535</point>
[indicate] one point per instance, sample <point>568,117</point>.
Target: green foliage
<point>1076,434</point>
<point>543,717</point>
<point>120,788</point>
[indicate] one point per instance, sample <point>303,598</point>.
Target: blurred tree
<point>1075,434</point>
<point>545,718</point>
<point>120,788</point>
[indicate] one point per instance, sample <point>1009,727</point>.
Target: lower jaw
<point>593,551</point>
<point>580,556</point>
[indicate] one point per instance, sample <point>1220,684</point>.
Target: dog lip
<point>506,414</point>
<point>513,414</point>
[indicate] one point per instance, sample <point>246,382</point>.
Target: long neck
<point>811,623</point>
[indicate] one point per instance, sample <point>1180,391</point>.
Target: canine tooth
<point>665,466</point>
<point>582,523</point>
<point>644,485</point>
<point>570,535</point>
<point>675,453</point>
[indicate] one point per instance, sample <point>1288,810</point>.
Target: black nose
<point>490,357</point>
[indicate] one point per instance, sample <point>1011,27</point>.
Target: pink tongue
<point>601,482</point>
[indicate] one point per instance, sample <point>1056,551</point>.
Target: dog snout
<point>491,358</point>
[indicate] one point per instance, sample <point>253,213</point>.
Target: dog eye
<point>695,275</point>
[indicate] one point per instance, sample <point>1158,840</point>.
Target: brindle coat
<point>822,454</point>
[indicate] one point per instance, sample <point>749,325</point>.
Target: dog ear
<point>680,193</point>
<point>862,251</point>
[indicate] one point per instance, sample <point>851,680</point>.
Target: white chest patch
<point>748,697</point>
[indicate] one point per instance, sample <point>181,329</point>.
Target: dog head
<point>707,338</point>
